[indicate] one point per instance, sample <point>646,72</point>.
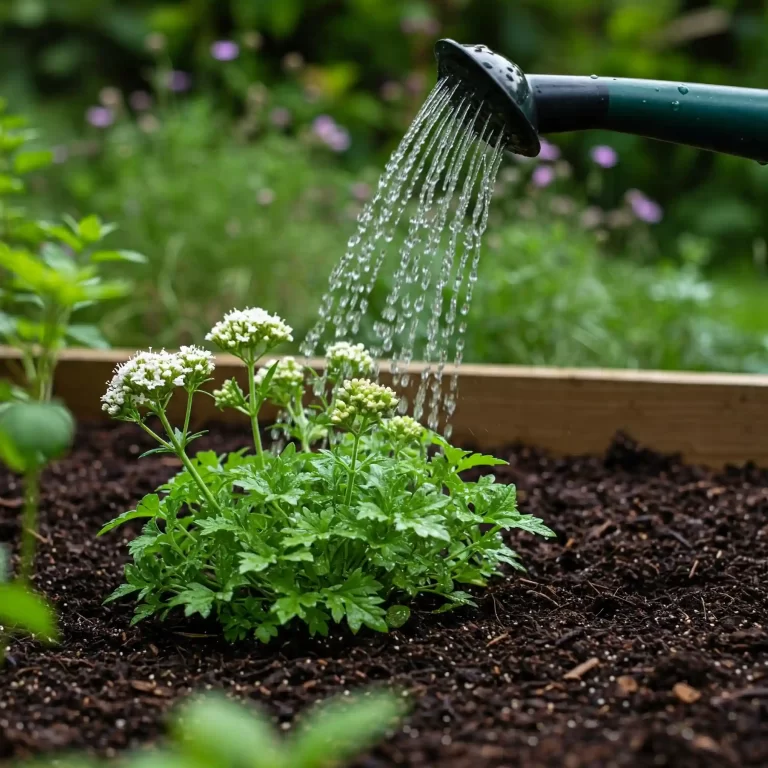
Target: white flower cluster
<point>229,396</point>
<point>347,360</point>
<point>403,428</point>
<point>364,398</point>
<point>149,378</point>
<point>247,333</point>
<point>198,365</point>
<point>286,380</point>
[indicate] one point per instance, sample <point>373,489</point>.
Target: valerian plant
<point>352,518</point>
<point>215,732</point>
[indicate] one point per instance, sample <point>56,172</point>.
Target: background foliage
<point>215,165</point>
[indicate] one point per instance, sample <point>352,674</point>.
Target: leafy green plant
<point>550,295</point>
<point>31,434</point>
<point>343,532</point>
<point>50,270</point>
<point>222,221</point>
<point>215,732</point>
<point>20,609</point>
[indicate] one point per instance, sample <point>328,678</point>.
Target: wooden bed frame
<point>711,419</point>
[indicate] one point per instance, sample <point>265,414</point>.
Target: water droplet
<point>439,182</point>
<point>675,106</point>
<point>593,77</point>
<point>683,89</point>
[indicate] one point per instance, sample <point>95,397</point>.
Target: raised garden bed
<point>636,638</point>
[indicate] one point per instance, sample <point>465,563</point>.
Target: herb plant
<point>214,732</point>
<point>353,516</point>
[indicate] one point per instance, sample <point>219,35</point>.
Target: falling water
<point>441,178</point>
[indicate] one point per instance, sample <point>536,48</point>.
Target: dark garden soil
<point>636,639</point>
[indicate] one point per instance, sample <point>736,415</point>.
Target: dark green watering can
<point>733,121</point>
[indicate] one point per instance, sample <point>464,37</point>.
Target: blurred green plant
<point>224,221</point>
<point>50,270</point>
<point>215,732</point>
<point>21,610</point>
<point>369,64</point>
<point>550,295</point>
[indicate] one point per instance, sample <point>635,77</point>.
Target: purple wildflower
<point>549,152</point>
<point>604,156</point>
<point>644,208</point>
<point>140,101</point>
<point>340,140</point>
<point>179,81</point>
<point>543,176</point>
<point>280,117</point>
<point>331,134</point>
<point>100,117</point>
<point>225,50</point>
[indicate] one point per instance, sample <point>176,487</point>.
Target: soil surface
<point>637,638</point>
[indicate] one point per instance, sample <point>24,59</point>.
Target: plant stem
<point>188,465</point>
<point>253,412</point>
<point>351,473</point>
<point>188,415</point>
<point>29,523</point>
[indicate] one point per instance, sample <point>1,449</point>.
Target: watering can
<point>520,107</point>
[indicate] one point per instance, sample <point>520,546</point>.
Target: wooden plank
<point>711,419</point>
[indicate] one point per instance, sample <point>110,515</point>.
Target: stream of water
<point>423,226</point>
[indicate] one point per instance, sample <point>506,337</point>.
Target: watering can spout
<point>520,107</point>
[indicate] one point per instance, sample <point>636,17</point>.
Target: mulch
<point>637,637</point>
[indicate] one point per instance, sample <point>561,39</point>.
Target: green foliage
<point>362,517</point>
<point>224,222</point>
<point>33,433</point>
<point>551,296</point>
<point>49,270</point>
<point>22,611</point>
<point>215,732</point>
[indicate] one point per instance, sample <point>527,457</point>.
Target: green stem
<point>188,465</point>
<point>29,523</point>
<point>351,473</point>
<point>188,415</point>
<point>253,412</point>
<point>492,532</point>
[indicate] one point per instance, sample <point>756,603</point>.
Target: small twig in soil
<point>543,596</point>
<point>497,639</point>
<point>678,537</point>
<point>578,632</point>
<point>746,693</point>
<point>693,568</point>
<point>578,672</point>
